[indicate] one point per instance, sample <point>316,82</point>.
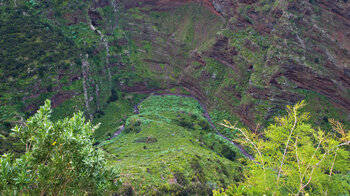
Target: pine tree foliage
<point>292,158</point>
<point>60,159</point>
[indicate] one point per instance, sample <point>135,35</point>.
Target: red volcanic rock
<point>163,5</point>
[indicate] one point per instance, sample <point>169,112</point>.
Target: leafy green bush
<point>134,126</point>
<point>294,159</point>
<point>203,123</point>
<point>221,146</point>
<point>59,160</point>
<point>185,121</point>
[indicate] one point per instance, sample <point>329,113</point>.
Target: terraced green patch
<point>169,148</point>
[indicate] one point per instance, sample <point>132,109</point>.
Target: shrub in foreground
<point>292,158</point>
<point>60,159</point>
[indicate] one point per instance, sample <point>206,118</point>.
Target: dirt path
<point>120,130</point>
<point>205,114</point>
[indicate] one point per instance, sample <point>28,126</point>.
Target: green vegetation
<point>240,65</point>
<point>322,110</point>
<point>60,159</point>
<point>115,115</point>
<point>67,108</point>
<point>42,46</point>
<point>293,158</point>
<point>31,52</point>
<point>169,148</point>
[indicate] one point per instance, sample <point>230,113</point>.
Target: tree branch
<point>230,126</point>
<point>331,170</point>
<point>287,144</point>
<point>297,157</point>
<point>324,155</point>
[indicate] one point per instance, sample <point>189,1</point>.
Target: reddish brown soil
<point>61,97</point>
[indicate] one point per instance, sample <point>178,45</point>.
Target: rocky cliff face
<point>245,59</point>
<point>248,57</point>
